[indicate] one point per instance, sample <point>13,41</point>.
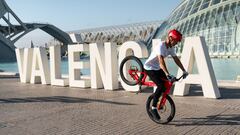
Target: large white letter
<point>131,48</point>
<point>195,48</point>
<point>40,67</point>
<point>75,66</point>
<point>24,60</point>
<point>99,62</point>
<point>55,66</point>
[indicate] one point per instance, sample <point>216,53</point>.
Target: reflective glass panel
<point>215,2</point>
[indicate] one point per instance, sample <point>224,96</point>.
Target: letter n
<point>104,67</point>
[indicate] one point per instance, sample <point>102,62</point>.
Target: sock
<point>154,107</point>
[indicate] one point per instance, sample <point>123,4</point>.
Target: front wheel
<point>167,112</point>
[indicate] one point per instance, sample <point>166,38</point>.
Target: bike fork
<point>162,102</point>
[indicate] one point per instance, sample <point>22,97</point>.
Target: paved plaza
<point>27,109</point>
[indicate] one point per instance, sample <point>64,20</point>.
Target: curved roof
<point>191,8</point>
<point>118,33</point>
<point>217,20</point>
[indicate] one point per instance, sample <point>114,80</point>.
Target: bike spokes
<point>130,70</point>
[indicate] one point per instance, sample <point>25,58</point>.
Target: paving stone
<point>50,110</point>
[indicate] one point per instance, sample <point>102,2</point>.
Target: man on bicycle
<point>156,69</point>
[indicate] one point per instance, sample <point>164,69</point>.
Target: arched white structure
<point>10,33</point>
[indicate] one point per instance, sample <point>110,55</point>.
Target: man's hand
<point>185,74</point>
<point>171,78</point>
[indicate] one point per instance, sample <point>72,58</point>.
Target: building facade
<point>216,20</point>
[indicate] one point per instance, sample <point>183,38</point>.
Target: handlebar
<point>177,79</point>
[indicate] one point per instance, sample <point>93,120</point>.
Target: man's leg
<point>156,76</point>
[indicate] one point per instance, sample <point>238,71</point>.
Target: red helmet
<point>176,35</point>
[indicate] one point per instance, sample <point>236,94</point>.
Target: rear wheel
<point>167,112</point>
<point>131,63</point>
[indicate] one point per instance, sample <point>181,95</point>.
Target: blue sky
<point>81,14</point>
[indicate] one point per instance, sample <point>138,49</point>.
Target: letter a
<point>40,67</point>
<point>195,48</point>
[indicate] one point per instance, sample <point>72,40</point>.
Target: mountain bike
<point>132,73</point>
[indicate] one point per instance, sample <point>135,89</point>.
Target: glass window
<point>161,29</point>
<point>180,13</point>
<point>238,9</point>
<point>188,8</point>
<point>215,2</point>
<point>189,26</point>
<point>196,6</point>
<point>226,8</point>
<point>173,17</point>
<point>200,23</point>
<point>233,8</point>
<point>179,28</point>
<point>226,12</point>
<point>205,4</point>
<point>237,13</point>
<point>219,16</point>
<point>195,24</point>
<point>206,20</point>
<point>212,18</point>
<point>185,27</point>
<point>230,15</point>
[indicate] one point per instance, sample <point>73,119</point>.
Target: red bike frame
<point>135,74</point>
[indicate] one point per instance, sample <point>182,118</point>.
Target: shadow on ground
<point>233,119</point>
<point>196,90</point>
<point>62,99</point>
<point>226,93</point>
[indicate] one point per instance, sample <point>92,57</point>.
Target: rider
<point>156,69</point>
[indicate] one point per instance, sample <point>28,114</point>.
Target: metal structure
<point>10,33</point>
<point>119,34</point>
<point>216,20</point>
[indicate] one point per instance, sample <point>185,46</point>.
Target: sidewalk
<point>44,109</point>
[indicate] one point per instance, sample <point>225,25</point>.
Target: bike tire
<point>140,69</point>
<point>171,113</point>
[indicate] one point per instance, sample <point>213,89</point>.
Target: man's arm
<point>162,64</point>
<point>179,63</point>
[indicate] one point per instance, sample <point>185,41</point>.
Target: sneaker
<point>155,114</point>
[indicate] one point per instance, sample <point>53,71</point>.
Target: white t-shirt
<point>152,63</point>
